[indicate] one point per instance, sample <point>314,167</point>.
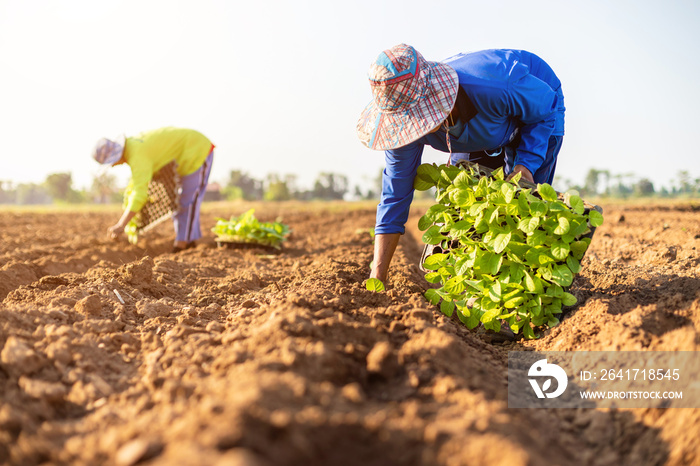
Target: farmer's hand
<point>116,230</point>
<point>526,175</point>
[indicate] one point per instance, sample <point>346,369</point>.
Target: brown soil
<point>246,357</point>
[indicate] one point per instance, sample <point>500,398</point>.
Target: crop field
<point>112,353</point>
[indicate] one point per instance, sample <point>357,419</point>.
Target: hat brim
<point>383,131</point>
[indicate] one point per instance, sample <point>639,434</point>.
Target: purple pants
<point>186,219</point>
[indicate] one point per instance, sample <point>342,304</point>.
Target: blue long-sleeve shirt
<point>511,90</point>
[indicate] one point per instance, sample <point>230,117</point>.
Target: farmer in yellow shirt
<point>147,153</point>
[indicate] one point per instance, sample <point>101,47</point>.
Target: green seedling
<point>247,229</point>
<point>375,284</point>
<point>510,252</point>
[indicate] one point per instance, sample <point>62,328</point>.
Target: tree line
<point>58,187</point>
<point>603,183</point>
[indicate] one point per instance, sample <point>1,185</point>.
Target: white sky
<point>278,85</point>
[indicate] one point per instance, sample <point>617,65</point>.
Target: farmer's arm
<point>141,175</point>
<point>395,203</point>
<point>534,103</point>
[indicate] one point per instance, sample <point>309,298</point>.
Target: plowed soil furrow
<point>119,354</point>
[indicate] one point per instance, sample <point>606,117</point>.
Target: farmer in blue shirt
<point>494,107</point>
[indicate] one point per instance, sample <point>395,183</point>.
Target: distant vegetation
<point>58,188</point>
<point>603,183</point>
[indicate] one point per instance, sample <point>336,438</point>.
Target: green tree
<point>685,186</point>
<point>644,188</point>
<point>330,186</point>
<point>30,193</point>
<point>250,188</point>
<point>277,189</point>
<point>104,188</point>
<point>60,187</point>
<point>590,184</point>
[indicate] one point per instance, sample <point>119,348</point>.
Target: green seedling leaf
<point>562,276</point>
<point>573,264</point>
<point>489,316</point>
<point>538,209</point>
<point>435,210</point>
<point>375,284</point>
<point>464,181</point>
<point>517,272</point>
<point>514,302</point>
<point>463,197</point>
<point>568,299</point>
<point>537,238</point>
<point>447,308</point>
<point>463,315</point>
<point>432,296</point>
<point>528,332</point>
<point>426,177</point>
<point>596,218</point>
<point>477,208</point>
<point>529,224</point>
<point>473,319</point>
<point>508,190</point>
<point>448,174</point>
<point>560,250</point>
<point>500,242</point>
<point>477,285</point>
<point>433,235</point>
<point>495,291</point>
<point>578,227</point>
<point>578,249</point>
<point>547,192</point>
<point>516,177</point>
<point>575,203</point>
<point>424,222</point>
<point>460,228</point>
<point>562,227</point>
<point>132,232</point>
<point>498,174</point>
<point>491,263</point>
<point>554,291</point>
<point>493,216</point>
<point>435,261</point>
<point>558,206</point>
<point>455,285</point>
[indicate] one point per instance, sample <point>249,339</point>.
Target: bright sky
<point>278,85</point>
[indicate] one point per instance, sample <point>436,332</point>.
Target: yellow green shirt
<point>150,151</point>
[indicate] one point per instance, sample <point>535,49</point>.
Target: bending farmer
<point>147,153</point>
<point>494,107</point>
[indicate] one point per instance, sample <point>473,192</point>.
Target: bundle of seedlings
<point>246,230</point>
<point>502,252</point>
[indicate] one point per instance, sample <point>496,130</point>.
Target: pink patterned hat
<point>412,97</point>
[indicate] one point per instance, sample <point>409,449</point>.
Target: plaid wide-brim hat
<point>109,151</point>
<point>412,97</point>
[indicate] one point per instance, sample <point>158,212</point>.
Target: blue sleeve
<point>534,103</point>
<point>397,188</point>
